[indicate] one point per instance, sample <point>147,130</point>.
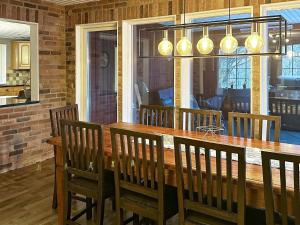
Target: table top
<point>253,172</point>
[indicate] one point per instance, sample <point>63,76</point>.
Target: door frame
<point>127,61</point>
<point>81,81</point>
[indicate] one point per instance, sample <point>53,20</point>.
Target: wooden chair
<point>209,196</point>
<point>238,122</point>
<point>190,119</point>
<point>273,217</point>
<point>67,112</point>
<point>139,176</point>
<point>84,174</point>
<point>156,115</point>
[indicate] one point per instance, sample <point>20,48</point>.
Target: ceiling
<point>12,30</point>
<point>70,2</point>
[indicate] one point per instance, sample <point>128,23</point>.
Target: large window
<point>284,77</point>
<point>153,78</point>
<point>234,72</point>
<point>222,83</point>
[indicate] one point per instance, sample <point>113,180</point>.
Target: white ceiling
<point>70,2</point>
<point>12,30</point>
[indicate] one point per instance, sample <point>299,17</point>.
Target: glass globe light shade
<point>205,45</point>
<point>184,46</point>
<point>229,43</point>
<point>165,47</point>
<point>254,43</point>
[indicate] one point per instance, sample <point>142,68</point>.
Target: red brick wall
<point>24,129</point>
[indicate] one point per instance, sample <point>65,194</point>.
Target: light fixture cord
<point>184,12</point>
<point>229,10</point>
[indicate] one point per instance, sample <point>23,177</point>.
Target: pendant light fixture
<point>165,47</point>
<point>254,42</point>
<point>229,43</point>
<point>205,45</point>
<point>184,46</point>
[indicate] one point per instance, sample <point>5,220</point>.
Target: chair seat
<point>90,188</point>
<point>201,219</point>
<point>145,202</point>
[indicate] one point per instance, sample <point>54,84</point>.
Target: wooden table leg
<point>59,185</point>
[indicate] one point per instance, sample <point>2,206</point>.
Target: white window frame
<point>127,61</point>
<point>187,65</point>
<point>81,81</point>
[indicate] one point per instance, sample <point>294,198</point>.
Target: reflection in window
<point>291,62</point>
<point>284,79</point>
<point>234,72</point>
<point>222,83</point>
<point>153,78</point>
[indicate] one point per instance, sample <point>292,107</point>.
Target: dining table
<point>254,175</point>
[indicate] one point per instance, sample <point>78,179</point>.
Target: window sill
<point>12,101</point>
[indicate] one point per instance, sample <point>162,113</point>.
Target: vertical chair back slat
<point>190,119</point>
<point>282,212</point>
<point>234,125</point>
<point>67,112</point>
<point>209,202</point>
<point>156,115</point>
<point>229,181</point>
<point>199,174</point>
<point>146,157</point>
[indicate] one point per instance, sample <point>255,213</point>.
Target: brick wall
<point>24,129</point>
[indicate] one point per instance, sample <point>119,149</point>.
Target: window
<point>234,72</point>
<point>291,62</point>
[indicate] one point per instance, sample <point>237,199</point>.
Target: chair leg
<point>69,206</point>
<point>119,216</point>
<point>113,204</point>
<point>100,211</point>
<point>89,210</point>
<point>136,219</point>
<point>54,200</point>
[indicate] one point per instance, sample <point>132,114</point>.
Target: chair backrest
<point>82,149</point>
<point>138,164</point>
<point>282,158</point>
<point>204,166</point>
<point>156,115</point>
<point>251,125</point>
<point>69,112</point>
<point>190,119</point>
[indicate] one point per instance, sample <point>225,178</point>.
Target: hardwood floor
<point>26,198</point>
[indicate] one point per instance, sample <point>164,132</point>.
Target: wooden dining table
<point>254,178</point>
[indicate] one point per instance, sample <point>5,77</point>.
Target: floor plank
<point>26,198</point>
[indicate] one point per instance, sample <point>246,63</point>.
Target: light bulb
<point>254,43</point>
<point>290,54</point>
<point>184,46</point>
<point>229,43</point>
<point>165,47</point>
<point>205,45</point>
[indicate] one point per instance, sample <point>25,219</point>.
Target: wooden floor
<point>26,198</point>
